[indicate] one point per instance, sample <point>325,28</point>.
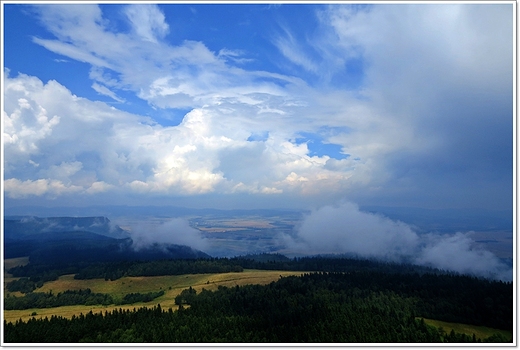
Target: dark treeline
<point>326,264</point>
<point>116,269</point>
<point>140,297</point>
<point>27,285</point>
<point>312,308</point>
<point>45,300</point>
<point>24,285</point>
<point>73,297</point>
<point>34,275</point>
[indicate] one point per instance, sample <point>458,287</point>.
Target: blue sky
<point>256,105</point>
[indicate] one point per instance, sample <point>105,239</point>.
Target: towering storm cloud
<point>346,229</point>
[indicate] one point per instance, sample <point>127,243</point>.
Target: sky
<point>258,106</point>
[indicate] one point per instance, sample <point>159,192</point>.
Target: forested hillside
<point>317,307</point>
<point>346,300</point>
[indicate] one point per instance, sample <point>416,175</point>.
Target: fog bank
<point>173,231</point>
<point>346,229</point>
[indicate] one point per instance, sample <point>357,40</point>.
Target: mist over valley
<point>435,239</point>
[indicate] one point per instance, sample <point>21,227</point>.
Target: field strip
<point>479,331</point>
<point>171,285</point>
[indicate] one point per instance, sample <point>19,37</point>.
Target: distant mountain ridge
<point>70,239</point>
<point>27,227</point>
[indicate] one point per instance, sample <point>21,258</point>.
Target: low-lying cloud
<point>459,253</point>
<point>174,231</point>
<point>344,229</point>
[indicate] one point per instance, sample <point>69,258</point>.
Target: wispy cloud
<point>71,51</point>
<point>103,90</point>
<point>234,55</point>
<point>292,50</point>
<point>148,22</point>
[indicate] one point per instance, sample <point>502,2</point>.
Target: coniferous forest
<point>345,301</point>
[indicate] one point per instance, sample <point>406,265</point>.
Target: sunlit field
<point>172,286</point>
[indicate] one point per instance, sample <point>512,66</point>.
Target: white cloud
<point>401,123</point>
<point>234,55</point>
<point>187,75</point>
<point>72,52</point>
<point>345,229</point>
<point>147,21</point>
<point>63,171</point>
<point>91,148</point>
<point>174,231</point>
<point>29,122</point>
<point>291,49</point>
<point>439,83</point>
<point>98,187</point>
<point>48,187</point>
<point>459,252</point>
<point>456,44</point>
<point>103,90</point>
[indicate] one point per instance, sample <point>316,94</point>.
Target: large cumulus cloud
<point>57,143</point>
<point>429,123</point>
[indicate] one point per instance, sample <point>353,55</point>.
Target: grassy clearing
<point>479,331</point>
<point>9,263</point>
<point>172,286</point>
